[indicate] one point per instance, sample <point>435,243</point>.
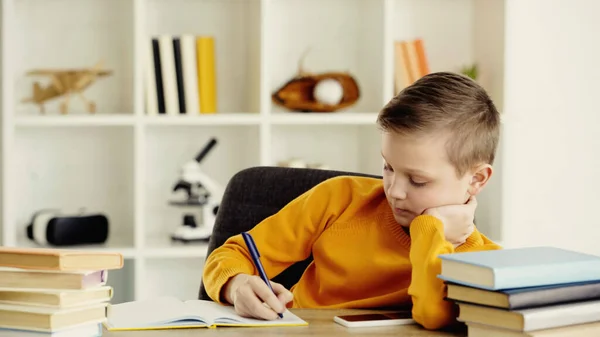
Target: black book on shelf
<point>179,74</point>
<point>160,95</point>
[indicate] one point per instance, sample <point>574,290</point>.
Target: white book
<point>190,74</point>
<point>169,77</point>
<point>150,81</point>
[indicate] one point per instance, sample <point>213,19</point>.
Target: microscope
<point>195,188</point>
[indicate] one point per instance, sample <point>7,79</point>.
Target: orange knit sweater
<point>362,257</point>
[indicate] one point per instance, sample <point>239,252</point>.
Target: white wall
<point>488,49</point>
<point>552,134</point>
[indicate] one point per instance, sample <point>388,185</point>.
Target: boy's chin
<point>403,220</point>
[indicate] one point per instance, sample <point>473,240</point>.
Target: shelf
<point>72,168</point>
<point>208,119</point>
<point>453,27</point>
<point>300,118</point>
<point>342,36</point>
<point>75,120</point>
<point>280,118</point>
<point>474,29</point>
<point>169,148</point>
<point>234,25</point>
<point>73,34</point>
<point>124,163</point>
<point>353,148</point>
<point>163,246</point>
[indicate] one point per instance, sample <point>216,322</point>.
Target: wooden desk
<point>320,323</point>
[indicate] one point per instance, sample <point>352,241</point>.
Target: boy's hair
<point>447,102</point>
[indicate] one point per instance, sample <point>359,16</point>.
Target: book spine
<point>190,73</point>
<point>94,279</point>
<point>421,57</point>
<point>179,74</point>
<point>150,81</point>
<point>160,93</point>
<point>560,315</point>
<point>401,74</point>
<point>405,54</point>
<point>167,60</point>
<point>413,60</point>
<point>207,84</point>
<point>554,295</point>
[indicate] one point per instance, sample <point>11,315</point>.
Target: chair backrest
<point>256,193</point>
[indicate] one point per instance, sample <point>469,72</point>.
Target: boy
<point>375,243</point>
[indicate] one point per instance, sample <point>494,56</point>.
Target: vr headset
<point>49,227</point>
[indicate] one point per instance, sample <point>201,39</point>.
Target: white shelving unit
<point>124,163</point>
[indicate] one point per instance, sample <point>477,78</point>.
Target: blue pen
<point>256,259</point>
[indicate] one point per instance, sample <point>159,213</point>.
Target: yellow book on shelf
<point>207,79</point>
<point>171,313</point>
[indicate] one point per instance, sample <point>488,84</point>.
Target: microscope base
<point>186,240</point>
<point>188,233</point>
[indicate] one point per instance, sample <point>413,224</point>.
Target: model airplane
<point>65,83</point>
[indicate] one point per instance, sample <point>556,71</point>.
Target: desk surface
<point>320,323</point>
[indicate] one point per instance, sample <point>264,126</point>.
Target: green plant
<point>471,71</point>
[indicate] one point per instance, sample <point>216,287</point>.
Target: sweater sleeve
<point>282,239</point>
<point>428,292</point>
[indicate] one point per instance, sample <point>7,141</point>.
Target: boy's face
<point>418,175</point>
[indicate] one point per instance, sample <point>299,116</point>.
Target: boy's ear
<point>480,176</point>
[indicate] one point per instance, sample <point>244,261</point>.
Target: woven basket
<point>297,93</point>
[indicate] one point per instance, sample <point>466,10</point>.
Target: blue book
<point>519,268</point>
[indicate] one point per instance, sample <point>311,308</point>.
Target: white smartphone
<point>369,320</point>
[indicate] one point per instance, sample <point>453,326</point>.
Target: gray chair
<point>256,193</point>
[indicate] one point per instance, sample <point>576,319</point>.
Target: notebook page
<point>146,313</point>
<point>225,314</point>
<point>209,310</point>
<point>288,319</point>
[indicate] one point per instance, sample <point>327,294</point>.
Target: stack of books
<point>52,292</point>
<point>181,75</point>
<point>410,63</point>
<point>534,291</point>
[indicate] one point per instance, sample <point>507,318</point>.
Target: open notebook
<point>171,313</point>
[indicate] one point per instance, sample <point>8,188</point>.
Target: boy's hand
<point>249,294</point>
<point>457,220</point>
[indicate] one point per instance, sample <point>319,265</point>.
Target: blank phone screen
<point>377,317</point>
